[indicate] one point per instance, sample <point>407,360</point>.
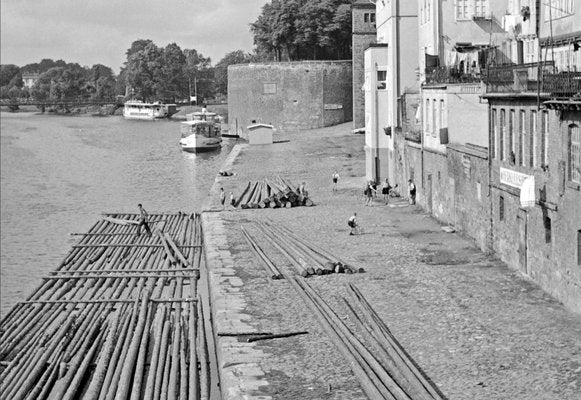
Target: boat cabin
<point>207,129</point>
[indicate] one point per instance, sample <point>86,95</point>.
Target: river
<point>59,173</point>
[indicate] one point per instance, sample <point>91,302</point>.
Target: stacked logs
<point>120,318</point>
<point>272,193</point>
<point>384,369</point>
<point>305,257</point>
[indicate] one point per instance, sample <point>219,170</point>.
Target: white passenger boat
<point>134,109</point>
<point>202,131</point>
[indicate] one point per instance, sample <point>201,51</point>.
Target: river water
<point>59,173</point>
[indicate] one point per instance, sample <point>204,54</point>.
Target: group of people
<point>223,198</point>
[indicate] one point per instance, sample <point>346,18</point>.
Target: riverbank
<point>476,328</point>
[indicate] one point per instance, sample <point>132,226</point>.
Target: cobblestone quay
<point>476,328</point>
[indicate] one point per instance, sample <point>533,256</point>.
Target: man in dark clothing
<point>143,221</point>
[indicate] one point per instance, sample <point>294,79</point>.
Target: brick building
<point>363,34</point>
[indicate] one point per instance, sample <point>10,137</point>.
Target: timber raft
<point>122,317</point>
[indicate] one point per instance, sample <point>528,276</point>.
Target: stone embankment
<point>476,328</point>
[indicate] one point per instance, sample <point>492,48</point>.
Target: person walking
<point>232,199</point>
<point>143,221</point>
<point>335,178</point>
<point>222,197</point>
<point>412,191</point>
<point>369,191</point>
<point>352,222</point>
<point>385,188</point>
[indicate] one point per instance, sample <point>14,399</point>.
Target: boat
<point>202,131</point>
<point>135,109</point>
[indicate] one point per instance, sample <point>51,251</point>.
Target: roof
<point>257,126</point>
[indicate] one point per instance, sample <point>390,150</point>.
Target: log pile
<point>384,369</point>
<point>272,193</point>
<point>120,318</point>
<point>306,258</point>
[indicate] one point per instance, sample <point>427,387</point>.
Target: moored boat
<point>134,109</point>
<point>202,131</point>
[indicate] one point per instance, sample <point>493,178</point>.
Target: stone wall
<point>289,96</point>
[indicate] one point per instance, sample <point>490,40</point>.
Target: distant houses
<point>30,78</point>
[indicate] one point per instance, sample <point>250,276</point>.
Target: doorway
<point>522,241</point>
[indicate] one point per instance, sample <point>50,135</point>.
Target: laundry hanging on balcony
<point>527,192</point>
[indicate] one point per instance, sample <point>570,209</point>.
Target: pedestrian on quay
<point>335,178</point>
<point>222,197</point>
<point>369,191</point>
<point>385,188</point>
<point>352,222</point>
<point>143,221</point>
<point>232,199</point>
<point>412,191</point>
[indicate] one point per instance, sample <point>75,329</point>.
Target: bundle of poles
<point>306,258</point>
<point>383,368</point>
<point>272,193</point>
<point>120,318</point>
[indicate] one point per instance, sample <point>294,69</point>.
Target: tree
<point>7,73</point>
<point>199,73</point>
<point>221,69</point>
<point>173,79</point>
<point>300,29</point>
<point>143,70</point>
<point>101,82</point>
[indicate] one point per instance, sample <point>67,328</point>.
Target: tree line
<point>286,30</point>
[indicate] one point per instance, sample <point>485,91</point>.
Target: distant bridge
<point>69,103</point>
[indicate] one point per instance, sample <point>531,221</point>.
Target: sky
<point>92,32</point>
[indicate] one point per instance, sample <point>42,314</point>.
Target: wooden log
<point>176,251</point>
<point>239,199</point>
<point>193,373</point>
<point>275,336</point>
<point>384,335</point>
<point>96,383</point>
<point>368,384</point>
<point>123,222</point>
<point>302,271</point>
<point>159,327</point>
<point>262,256</point>
<point>133,351</point>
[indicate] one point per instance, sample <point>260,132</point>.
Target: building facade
<point>391,72</point>
<point>363,34</point>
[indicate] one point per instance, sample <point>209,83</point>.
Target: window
<point>462,9</point>
<point>372,17</point>
<point>521,137</point>
<point>511,138</point>
<point>578,247</point>
<point>381,79</point>
<point>494,134</point>
<point>427,116</point>
<point>533,140</point>
<point>574,154</point>
<point>269,88</point>
<point>481,8</point>
<point>443,122</point>
<point>366,17</point>
<point>544,138</point>
<point>434,116</point>
<point>547,223</point>
<point>502,134</point>
<point>501,208</point>
<point>558,8</point>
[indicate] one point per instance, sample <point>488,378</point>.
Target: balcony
<point>445,74</point>
<point>533,78</point>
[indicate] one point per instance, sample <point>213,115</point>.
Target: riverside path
<point>477,329</point>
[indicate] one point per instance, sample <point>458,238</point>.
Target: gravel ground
<point>476,328</point>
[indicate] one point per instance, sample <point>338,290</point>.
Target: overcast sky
<point>100,32</point>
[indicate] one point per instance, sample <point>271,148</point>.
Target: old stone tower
<point>363,34</point>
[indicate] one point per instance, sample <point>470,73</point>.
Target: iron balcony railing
<point>540,78</point>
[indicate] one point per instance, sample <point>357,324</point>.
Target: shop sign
<point>512,178</point>
<point>333,106</point>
